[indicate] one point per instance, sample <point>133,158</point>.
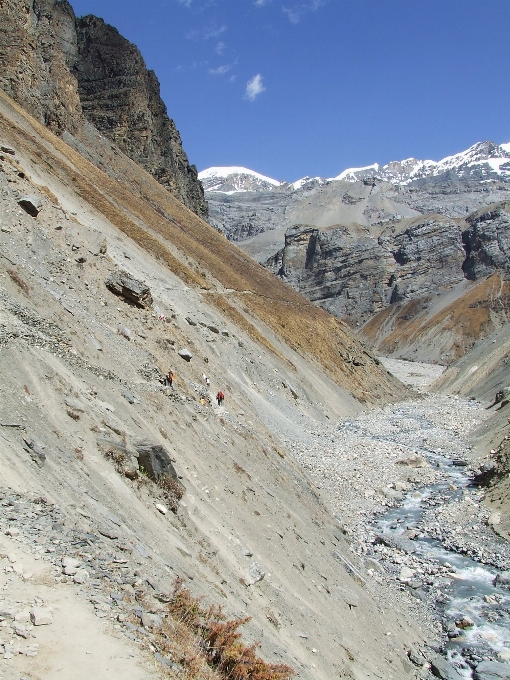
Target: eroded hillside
<point>82,377</point>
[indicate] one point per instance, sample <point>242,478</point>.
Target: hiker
<point>220,397</point>
<point>169,379</point>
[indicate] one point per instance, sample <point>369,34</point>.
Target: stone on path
<point>41,616</point>
<point>31,204</point>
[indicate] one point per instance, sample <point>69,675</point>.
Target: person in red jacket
<point>220,397</point>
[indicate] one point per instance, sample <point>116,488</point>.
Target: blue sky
<point>310,87</point>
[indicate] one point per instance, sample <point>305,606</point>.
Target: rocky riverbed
<point>399,482</point>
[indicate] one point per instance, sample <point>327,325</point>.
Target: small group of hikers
<point>169,382</point>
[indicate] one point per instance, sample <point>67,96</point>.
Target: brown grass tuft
<point>22,285</point>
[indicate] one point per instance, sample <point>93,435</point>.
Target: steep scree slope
<point>75,383</point>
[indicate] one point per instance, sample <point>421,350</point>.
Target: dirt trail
<point>76,644</point>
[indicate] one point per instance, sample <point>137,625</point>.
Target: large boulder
<point>154,460</point>
<point>442,669</point>
<point>492,670</point>
<point>123,284</point>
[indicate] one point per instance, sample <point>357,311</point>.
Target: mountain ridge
<point>484,158</point>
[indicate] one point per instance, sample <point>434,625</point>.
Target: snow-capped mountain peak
<point>483,160</point>
<point>233,179</point>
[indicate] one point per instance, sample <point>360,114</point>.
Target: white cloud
<point>220,47</point>
<point>261,3</point>
<point>254,87</point>
<point>206,33</point>
<point>295,12</point>
<point>221,70</point>
<point>224,68</point>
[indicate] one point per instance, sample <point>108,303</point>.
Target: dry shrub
<point>22,285</point>
<point>172,490</point>
<point>220,640</point>
<point>73,414</point>
<point>171,485</point>
<point>117,457</point>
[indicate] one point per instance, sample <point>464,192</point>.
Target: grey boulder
<point>442,669</point>
<point>123,284</point>
<point>154,460</point>
<point>503,579</point>
<point>30,204</point>
<point>492,670</point>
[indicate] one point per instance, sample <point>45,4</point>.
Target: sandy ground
<point>415,374</point>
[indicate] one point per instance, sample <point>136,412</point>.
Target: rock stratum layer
<point>69,71</point>
<point>408,278</point>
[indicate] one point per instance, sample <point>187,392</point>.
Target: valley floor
<point>405,467</point>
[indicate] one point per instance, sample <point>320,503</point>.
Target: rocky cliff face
<point>487,242</point>
<point>38,48</point>
<point>65,71</point>
<point>120,97</point>
<point>429,287</point>
<point>354,272</point>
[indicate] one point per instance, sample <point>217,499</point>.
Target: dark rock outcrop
<point>38,48</point>
<point>154,460</point>
<point>67,71</point>
<point>126,286</point>
<point>121,98</point>
<point>487,241</point>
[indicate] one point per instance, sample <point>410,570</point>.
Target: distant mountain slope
<point>244,205</point>
<point>71,72</point>
<point>229,180</point>
<point>394,281</point>
<point>379,246</point>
